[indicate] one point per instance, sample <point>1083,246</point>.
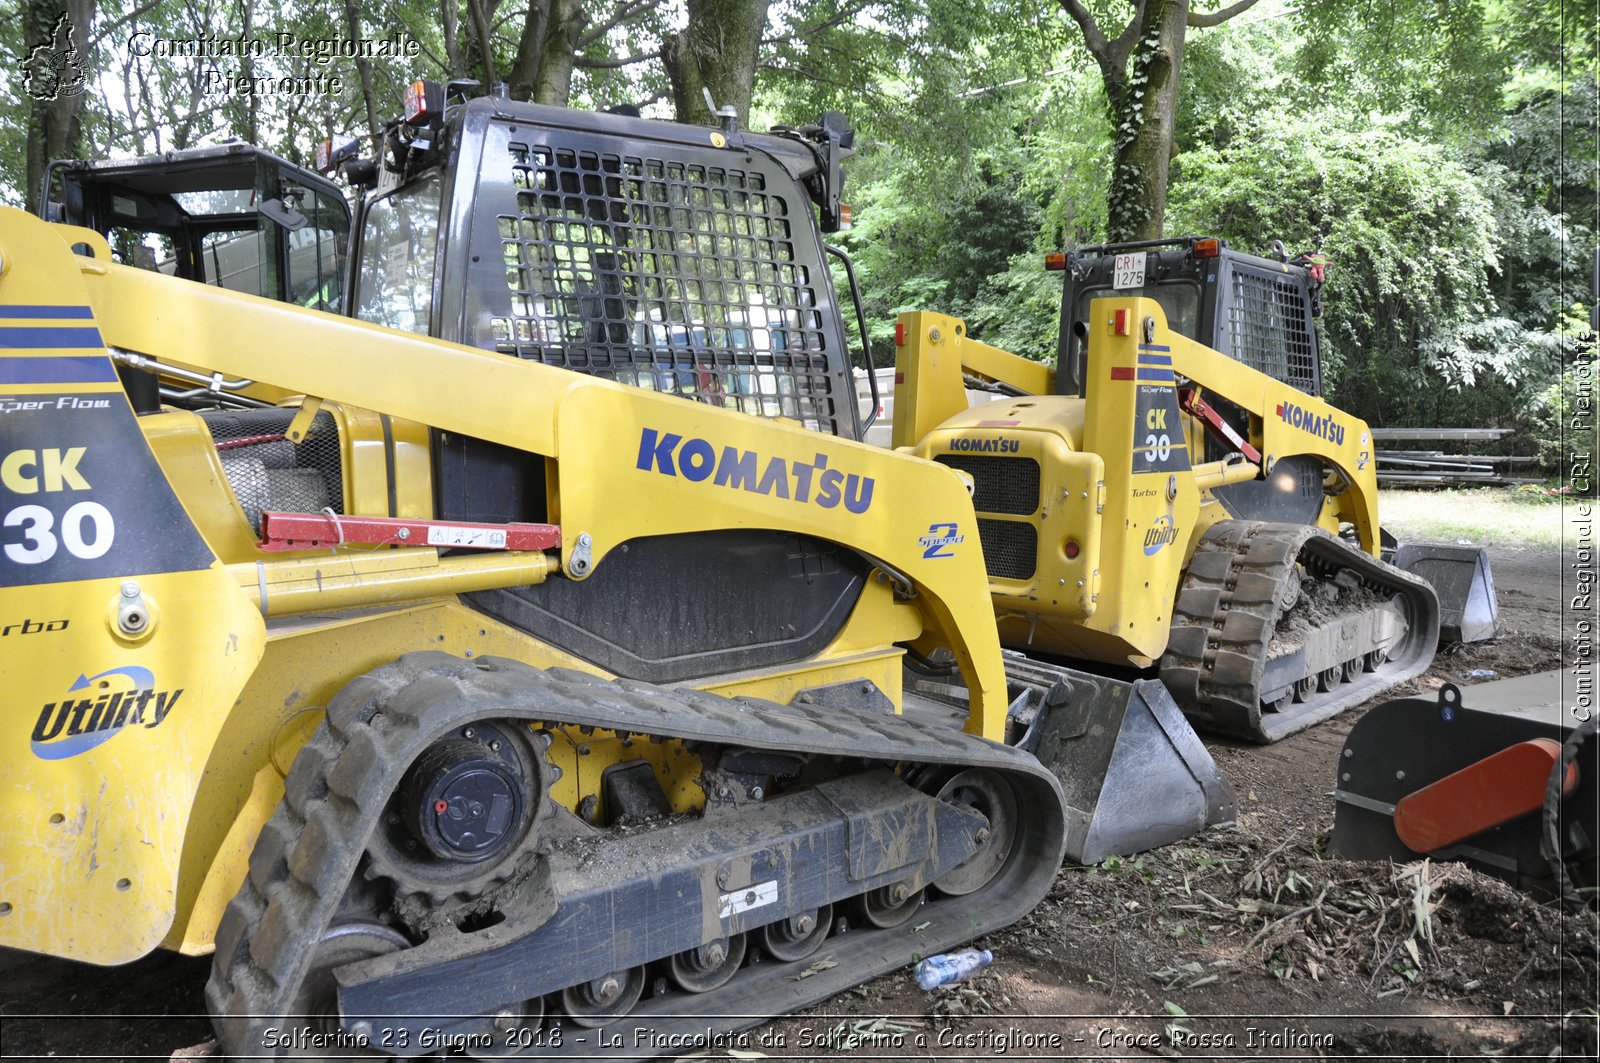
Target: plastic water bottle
<point>952,967</point>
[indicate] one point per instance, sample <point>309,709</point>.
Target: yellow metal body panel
<point>594,429</point>
<point>110,721</point>
<point>687,467</point>
<point>930,364</point>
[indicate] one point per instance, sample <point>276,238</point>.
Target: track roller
<point>605,999</point>
<point>889,906</point>
<point>709,966</point>
<point>799,936</point>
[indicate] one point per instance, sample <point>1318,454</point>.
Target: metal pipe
<point>382,577</point>
<point>1219,473</point>
<point>214,381</point>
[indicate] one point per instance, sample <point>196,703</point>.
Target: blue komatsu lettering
<point>736,469</point>
<point>775,480</point>
<point>802,476</point>
<point>828,488</point>
<point>1313,424</point>
<point>698,460</point>
<point>857,493</point>
<point>657,454</point>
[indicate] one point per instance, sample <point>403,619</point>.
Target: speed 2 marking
<point>940,538</point>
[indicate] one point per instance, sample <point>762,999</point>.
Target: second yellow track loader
<point>1155,505</point>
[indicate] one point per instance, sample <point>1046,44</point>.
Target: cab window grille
<point>677,274</point>
<point>1269,326</point>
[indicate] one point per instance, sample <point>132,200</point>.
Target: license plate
<point>1128,271</point>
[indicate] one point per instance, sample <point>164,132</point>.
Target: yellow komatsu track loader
<point>1160,506</point>
<point>507,671</point>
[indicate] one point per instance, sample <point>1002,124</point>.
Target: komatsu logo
<point>1321,427</point>
<point>995,445</point>
<point>116,698</point>
<point>1160,534</point>
<point>698,460</point>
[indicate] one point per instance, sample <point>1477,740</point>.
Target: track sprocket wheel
<point>465,817</point>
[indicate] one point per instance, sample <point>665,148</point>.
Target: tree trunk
<point>57,67</point>
<point>456,66</point>
<point>715,51</point>
<point>479,22</point>
<point>1141,69</point>
<point>352,25</point>
<point>553,85</point>
<point>1143,106</point>
<point>524,73</point>
<point>247,68</point>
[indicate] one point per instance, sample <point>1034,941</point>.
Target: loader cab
<point>1259,311</point>
<point>680,258</point>
<point>232,216</point>
<point>683,259</point>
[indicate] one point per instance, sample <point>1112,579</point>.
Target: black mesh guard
<point>273,473</point>
<point>691,271</point>
<point>1269,323</point>
<point>1010,548</point>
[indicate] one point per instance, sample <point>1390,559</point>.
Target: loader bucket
<point>1460,576</point>
<point>1467,776</point>
<point>1135,773</point>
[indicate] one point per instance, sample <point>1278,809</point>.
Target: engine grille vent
<point>1010,548</point>
<point>1002,485</point>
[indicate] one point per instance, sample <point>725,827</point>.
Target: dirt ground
<point>1242,942</point>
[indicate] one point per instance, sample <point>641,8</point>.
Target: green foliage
<point>1440,152</point>
<point>951,252</point>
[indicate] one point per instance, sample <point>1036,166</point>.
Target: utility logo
<point>114,699</point>
<point>940,538</point>
<point>55,68</point>
<point>986,446</point>
<point>1160,534</point>
<point>697,460</point>
<point>1313,424</point>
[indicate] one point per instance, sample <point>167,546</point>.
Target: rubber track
<point>375,727</point>
<point>1227,611</point>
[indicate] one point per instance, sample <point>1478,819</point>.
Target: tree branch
<point>1207,19</point>
<point>844,14</point>
<point>1091,29</point>
<point>614,64</point>
<point>100,32</point>
<point>1122,47</point>
<point>480,25</point>
<point>595,32</point>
